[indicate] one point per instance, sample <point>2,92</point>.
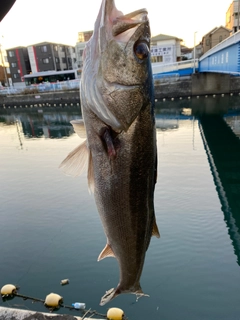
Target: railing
<point>159,67</point>
<point>43,87</point>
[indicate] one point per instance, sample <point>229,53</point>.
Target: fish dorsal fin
<point>76,161</point>
<point>79,128</point>
<point>90,174</point>
<point>155,231</point>
<point>107,252</point>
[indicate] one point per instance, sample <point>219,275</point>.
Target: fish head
<point>117,77</point>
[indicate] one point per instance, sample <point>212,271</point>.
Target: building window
<point>56,48</point>
<point>11,54</point>
<point>44,48</point>
<point>207,42</point>
<point>57,60</point>
<point>45,60</point>
<point>220,38</point>
<point>64,60</point>
<point>13,64</point>
<point>16,76</point>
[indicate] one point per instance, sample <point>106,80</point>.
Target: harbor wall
<point>19,314</point>
<point>196,85</point>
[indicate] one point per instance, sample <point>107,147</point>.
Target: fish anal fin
<point>76,161</point>
<point>155,231</point>
<point>107,252</point>
<point>109,295</point>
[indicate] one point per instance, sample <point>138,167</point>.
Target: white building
<point>165,49</point>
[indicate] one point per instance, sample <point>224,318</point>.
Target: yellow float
<point>8,289</point>
<point>53,300</point>
<point>115,314</point>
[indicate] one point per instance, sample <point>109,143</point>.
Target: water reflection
<point>219,121</point>
<point>223,151</point>
<point>41,123</point>
<point>51,215</point>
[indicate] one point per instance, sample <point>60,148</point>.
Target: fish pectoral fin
<point>79,128</point>
<point>107,252</point>
<point>155,231</point>
<point>76,162</point>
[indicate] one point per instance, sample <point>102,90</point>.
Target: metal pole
<point>4,69</point>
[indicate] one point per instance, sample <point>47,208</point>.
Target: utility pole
<point>194,52</point>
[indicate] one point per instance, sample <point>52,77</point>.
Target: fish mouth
<point>131,20</point>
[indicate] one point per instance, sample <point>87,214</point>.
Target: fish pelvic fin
<point>76,161</point>
<point>109,295</point>
<point>106,252</point>
<point>155,231</point>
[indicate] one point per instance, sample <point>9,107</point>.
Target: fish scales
<point>117,102</point>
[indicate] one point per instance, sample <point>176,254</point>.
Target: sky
<point>59,21</point>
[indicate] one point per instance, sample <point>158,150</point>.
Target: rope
<point>88,312</point>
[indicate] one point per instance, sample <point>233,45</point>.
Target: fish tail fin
<point>109,295</point>
<point>113,293</point>
<point>139,293</point>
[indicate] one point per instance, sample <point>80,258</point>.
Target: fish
<point>120,150</point>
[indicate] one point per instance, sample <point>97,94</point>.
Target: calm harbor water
<point>50,229</point>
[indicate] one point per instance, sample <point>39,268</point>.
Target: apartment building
<point>214,37</point>
<point>19,64</point>
<point>48,56</point>
<point>44,56</point>
<point>232,16</point>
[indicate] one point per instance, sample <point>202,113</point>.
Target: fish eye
<point>141,50</point>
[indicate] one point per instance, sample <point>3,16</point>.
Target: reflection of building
<point>232,17</point>
<point>214,37</point>
<point>165,49</point>
<point>234,123</point>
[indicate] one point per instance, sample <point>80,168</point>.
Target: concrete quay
<point>198,84</point>
<point>18,314</point>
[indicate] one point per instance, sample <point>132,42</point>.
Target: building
<point>83,37</point>
<point>214,37</point>
<point>45,56</point>
<point>165,48</point>
<point>19,64</point>
<point>48,56</point>
<point>232,17</point>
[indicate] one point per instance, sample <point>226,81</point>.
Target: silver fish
<point>117,102</point>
